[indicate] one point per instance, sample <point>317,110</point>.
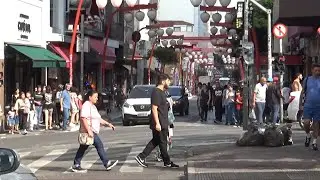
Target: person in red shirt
<point>239,104</point>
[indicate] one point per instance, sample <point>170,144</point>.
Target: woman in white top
<point>90,123</point>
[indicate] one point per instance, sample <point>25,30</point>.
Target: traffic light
<point>248,52</point>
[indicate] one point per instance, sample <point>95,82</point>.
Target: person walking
<point>259,99</point>
<point>65,105</point>
<point>48,108</point>
<point>90,123</point>
<point>22,110</point>
<point>217,101</point>
<point>231,107</point>
<point>273,100</point>
<point>296,84</point>
<point>310,105</point>
<point>205,102</point>
<point>199,89</point>
<point>38,100</point>
<point>159,124</point>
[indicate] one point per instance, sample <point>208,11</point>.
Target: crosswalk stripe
<point>24,154</point>
<point>90,158</point>
<point>130,164</point>
<point>36,165</point>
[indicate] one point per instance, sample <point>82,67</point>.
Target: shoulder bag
<point>84,138</point>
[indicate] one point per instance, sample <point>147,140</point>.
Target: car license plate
<point>143,114</point>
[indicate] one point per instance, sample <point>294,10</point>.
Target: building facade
<point>24,59</point>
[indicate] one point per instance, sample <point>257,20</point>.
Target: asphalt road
<point>50,155</point>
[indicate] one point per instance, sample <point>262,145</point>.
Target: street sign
<point>318,30</point>
<point>280,31</point>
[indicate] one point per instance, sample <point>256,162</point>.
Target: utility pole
<point>281,82</point>
<point>82,52</point>
<point>248,64</point>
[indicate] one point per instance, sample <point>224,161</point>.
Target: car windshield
<point>141,92</point>
<point>174,91</point>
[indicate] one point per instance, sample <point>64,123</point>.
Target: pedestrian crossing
<point>60,160</point>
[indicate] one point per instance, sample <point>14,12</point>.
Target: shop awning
<point>41,57</point>
<point>98,46</point>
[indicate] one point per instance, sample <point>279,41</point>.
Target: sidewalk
<point>230,162</point>
<point>114,117</point>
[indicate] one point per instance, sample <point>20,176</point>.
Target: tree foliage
<point>260,18</point>
<point>165,55</point>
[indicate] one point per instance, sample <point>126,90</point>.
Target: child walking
<point>13,120</point>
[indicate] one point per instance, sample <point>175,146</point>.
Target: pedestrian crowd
<point>44,109</point>
<point>225,100</point>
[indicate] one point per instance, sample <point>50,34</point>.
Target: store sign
<point>24,27</point>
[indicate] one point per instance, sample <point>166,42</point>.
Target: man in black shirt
<point>217,102</point>
<point>158,124</point>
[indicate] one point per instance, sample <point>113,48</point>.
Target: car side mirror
<point>9,160</point>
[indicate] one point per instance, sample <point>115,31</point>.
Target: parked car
<point>137,107</point>
<point>180,100</point>
<point>10,167</point>
<point>293,108</point>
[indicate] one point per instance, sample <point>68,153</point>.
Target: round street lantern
<point>101,3</point>
<point>139,15</point>
<point>173,42</point>
<point>169,31</point>
<point>223,31</point>
<point>152,33</point>
<point>160,32</point>
<point>214,30</point>
<point>210,2</point>
<point>225,3</point>
<point>216,17</point>
<point>232,32</point>
<point>177,50</point>
<point>183,51</point>
<point>128,17</point>
<point>180,42</point>
<point>204,17</point>
<point>116,3</point>
<point>229,50</point>
<point>131,3</point>
<point>228,17</point>
<point>152,14</point>
<point>164,43</point>
<point>220,41</point>
<point>196,3</point>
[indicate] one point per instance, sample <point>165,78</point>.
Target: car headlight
<point>127,105</point>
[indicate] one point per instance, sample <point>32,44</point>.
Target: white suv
<point>137,107</point>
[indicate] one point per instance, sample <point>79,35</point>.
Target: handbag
<point>84,138</point>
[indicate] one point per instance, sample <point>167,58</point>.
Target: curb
<point>190,170</point>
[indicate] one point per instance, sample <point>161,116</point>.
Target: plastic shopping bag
<point>252,115</point>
